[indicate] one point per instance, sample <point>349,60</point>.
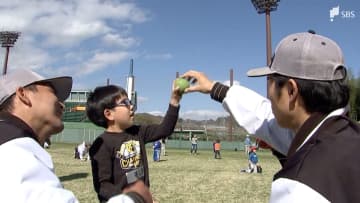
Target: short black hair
<point>8,105</point>
<point>319,96</point>
<point>103,97</point>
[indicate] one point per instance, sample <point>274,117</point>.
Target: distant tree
<point>356,105</point>
<point>354,84</point>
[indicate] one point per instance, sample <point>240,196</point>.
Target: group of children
<point>253,161</point>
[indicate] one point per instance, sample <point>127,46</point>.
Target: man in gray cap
<point>31,108</point>
<point>303,118</point>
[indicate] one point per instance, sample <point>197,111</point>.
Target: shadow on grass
<point>161,160</point>
<point>73,176</point>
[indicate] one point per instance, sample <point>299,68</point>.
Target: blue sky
<point>94,40</point>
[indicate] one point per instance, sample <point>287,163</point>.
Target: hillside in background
<point>218,128</point>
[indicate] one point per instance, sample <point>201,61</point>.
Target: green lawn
<point>180,177</point>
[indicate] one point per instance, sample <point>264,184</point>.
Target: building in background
<point>75,106</point>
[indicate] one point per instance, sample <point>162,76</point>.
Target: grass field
<point>180,177</point>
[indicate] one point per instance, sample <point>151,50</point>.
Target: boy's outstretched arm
<point>167,126</point>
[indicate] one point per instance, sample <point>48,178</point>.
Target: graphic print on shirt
<point>129,154</point>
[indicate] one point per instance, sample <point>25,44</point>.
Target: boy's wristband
<point>134,175</point>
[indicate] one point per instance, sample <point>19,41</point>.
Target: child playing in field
<point>217,148</point>
<point>82,152</point>
<point>118,156</point>
<point>157,150</point>
<point>194,143</point>
<point>254,167</point>
<point>163,147</point>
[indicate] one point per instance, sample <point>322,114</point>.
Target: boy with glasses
<point>118,156</point>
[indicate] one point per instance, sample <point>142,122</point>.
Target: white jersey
<point>253,112</point>
<point>27,174</point>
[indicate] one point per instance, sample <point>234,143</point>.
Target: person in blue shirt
<point>247,143</point>
<point>254,167</point>
<point>157,150</point>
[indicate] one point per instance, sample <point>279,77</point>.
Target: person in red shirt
<point>217,148</point>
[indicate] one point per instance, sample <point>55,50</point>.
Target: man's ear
<point>293,90</point>
<point>23,96</point>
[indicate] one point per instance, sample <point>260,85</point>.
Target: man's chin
<point>58,128</point>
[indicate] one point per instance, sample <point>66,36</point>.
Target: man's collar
<point>16,121</point>
<point>304,131</point>
<point>310,126</point>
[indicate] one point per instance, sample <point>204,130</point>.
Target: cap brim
<point>257,72</point>
<point>62,86</point>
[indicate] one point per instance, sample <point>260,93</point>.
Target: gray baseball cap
<point>24,77</point>
<point>306,56</point>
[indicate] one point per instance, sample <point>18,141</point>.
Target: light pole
<point>266,6</point>
<point>8,39</point>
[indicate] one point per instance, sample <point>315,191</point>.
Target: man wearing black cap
<point>31,108</point>
<point>304,118</point>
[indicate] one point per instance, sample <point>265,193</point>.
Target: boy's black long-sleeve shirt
<point>114,154</point>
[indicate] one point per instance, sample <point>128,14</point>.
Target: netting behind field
<point>77,132</point>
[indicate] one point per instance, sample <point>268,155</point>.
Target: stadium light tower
<point>266,6</point>
<point>8,39</point>
<point>130,86</point>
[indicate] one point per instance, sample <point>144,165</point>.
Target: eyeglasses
<point>124,102</point>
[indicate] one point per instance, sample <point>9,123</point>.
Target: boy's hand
<point>140,188</point>
<point>176,95</point>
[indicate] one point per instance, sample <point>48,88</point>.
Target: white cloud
<point>165,56</point>
<point>142,99</point>
<point>203,114</point>
<point>55,33</point>
<point>196,114</point>
<point>12,22</point>
<point>74,32</point>
<point>111,9</point>
<point>25,55</point>
<point>156,113</point>
<point>101,60</point>
<point>118,40</point>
